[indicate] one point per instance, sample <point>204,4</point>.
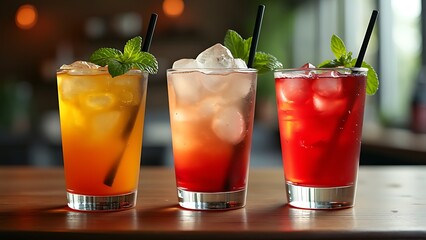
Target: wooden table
<point>391,203</point>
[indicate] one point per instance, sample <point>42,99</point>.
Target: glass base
<point>212,201</point>
<point>101,203</point>
<point>320,198</point>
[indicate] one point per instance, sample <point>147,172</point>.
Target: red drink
<point>320,115</point>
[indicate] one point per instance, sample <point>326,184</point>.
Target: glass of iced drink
<point>320,114</point>
<point>101,126</point>
<point>211,103</point>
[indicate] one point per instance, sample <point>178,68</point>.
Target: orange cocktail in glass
<point>102,126</point>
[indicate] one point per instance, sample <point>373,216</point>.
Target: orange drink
<point>102,127</point>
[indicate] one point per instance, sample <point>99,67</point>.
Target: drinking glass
<point>211,117</point>
<point>102,127</point>
<point>320,114</point>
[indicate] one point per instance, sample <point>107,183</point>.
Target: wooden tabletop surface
<point>390,203</point>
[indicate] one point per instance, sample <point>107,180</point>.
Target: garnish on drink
<point>211,102</point>
<point>240,48</point>
<point>344,59</point>
<point>102,111</point>
<point>320,112</point>
<point>121,62</point>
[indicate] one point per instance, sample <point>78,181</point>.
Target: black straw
<point>109,178</point>
<point>256,33</point>
<point>366,38</point>
<point>150,32</point>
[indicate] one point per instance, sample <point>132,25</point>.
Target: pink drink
<point>211,115</point>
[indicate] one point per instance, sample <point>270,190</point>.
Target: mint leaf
<point>146,62</point>
<point>265,62</point>
<point>132,48</point>
<point>344,59</point>
<point>240,48</point>
<point>103,55</point>
<point>119,63</point>
<point>337,47</point>
<point>372,78</point>
<point>115,68</point>
<point>329,64</point>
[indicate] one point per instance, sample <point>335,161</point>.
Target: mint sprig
<point>121,62</point>
<point>240,48</point>
<point>344,59</point>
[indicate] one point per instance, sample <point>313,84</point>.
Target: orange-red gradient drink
<point>102,126</point>
<point>320,115</point>
<point>211,116</point>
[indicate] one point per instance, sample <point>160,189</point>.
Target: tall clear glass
<point>320,114</point>
<point>102,127</point>
<point>211,116</point>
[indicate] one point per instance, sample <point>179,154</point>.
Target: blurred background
<point>38,36</point>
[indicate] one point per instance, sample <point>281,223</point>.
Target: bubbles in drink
<point>228,124</point>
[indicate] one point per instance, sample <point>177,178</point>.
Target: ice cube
<point>127,89</point>
<point>128,97</point>
<point>209,106</point>
<point>80,65</point>
<point>217,56</point>
<point>98,101</point>
<point>71,86</point>
<point>294,90</point>
<point>105,123</point>
<point>238,87</point>
<point>185,63</point>
<point>327,87</point>
<point>228,125</point>
<point>239,63</point>
<point>187,86</point>
<point>329,106</point>
<point>78,117</point>
<point>308,65</point>
<point>213,82</point>
<point>81,68</point>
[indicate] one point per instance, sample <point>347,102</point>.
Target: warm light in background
<point>26,16</point>
<point>173,8</point>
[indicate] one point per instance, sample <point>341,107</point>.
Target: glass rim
<point>352,69</point>
<point>212,70</point>
<point>95,71</point>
